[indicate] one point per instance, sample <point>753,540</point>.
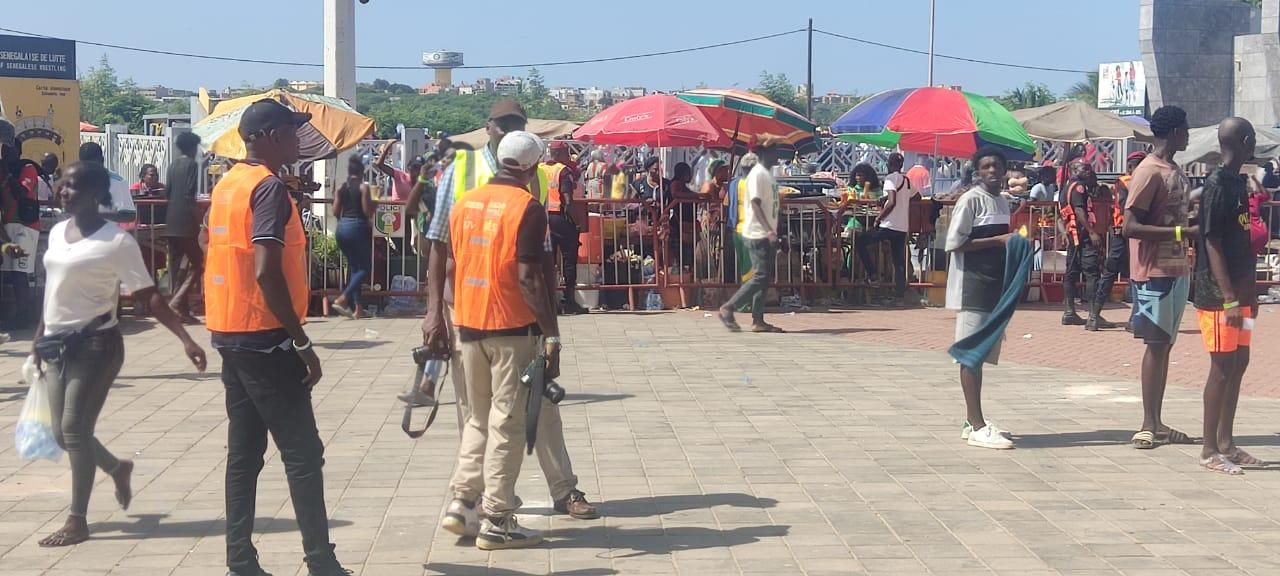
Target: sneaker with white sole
<point>989,437</point>
<point>461,519</point>
<point>968,429</point>
<point>506,533</point>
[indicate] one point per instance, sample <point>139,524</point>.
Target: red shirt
<point>28,179</point>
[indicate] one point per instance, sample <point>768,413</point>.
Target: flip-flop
<point>1144,440</point>
<point>729,323</point>
<point>1174,436</point>
<point>63,539</point>
<point>1220,463</point>
<point>767,329</point>
<point>1242,458</point>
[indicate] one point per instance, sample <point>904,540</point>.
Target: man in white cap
<point>503,313</point>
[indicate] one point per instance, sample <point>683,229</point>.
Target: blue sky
<point>396,32</point>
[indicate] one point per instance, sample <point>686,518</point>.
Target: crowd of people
<point>492,221</point>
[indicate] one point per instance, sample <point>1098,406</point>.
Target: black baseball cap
<point>265,114</point>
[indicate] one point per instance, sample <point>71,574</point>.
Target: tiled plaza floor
<point>710,454</point>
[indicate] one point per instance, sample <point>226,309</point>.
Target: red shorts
<point>1219,337</point>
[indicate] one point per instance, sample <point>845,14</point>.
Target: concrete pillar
<point>1270,16</point>
<point>339,78</point>
<point>110,152</point>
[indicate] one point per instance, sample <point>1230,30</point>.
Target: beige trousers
<point>553,454</point>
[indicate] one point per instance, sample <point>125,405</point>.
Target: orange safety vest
<point>1068,213</point>
<point>484,226</point>
<point>1121,195</point>
<point>554,199</point>
<point>233,300</point>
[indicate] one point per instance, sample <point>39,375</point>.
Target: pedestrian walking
<point>1225,294</point>
<point>1156,224</point>
<point>182,224</point>
<point>760,232</point>
<point>354,206</point>
<point>87,262</point>
<point>469,170</point>
<point>976,239</point>
<point>503,311</point>
<point>256,301</point>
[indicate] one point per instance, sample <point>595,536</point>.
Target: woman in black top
<point>354,207</point>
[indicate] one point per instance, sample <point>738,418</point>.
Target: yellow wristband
<point>1177,233</point>
<point>1230,305</point>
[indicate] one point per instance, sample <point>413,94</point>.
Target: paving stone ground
<point>711,454</point>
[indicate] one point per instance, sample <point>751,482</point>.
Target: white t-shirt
<point>899,218</point>
<point>83,279</point>
<point>122,207</point>
<point>762,186</point>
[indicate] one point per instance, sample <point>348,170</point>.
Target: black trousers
<point>1082,260</point>
<point>564,239</point>
<point>265,395</point>
<point>897,245</point>
<point>1117,259</point>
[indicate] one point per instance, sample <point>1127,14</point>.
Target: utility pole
<point>808,85</point>
<point>339,78</point>
<point>932,11</point>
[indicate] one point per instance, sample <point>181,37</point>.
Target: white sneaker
<point>461,519</point>
<point>968,429</point>
<point>989,437</point>
<point>506,533</point>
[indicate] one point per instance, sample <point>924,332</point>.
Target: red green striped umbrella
<point>748,117</point>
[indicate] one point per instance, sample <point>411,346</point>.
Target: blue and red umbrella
<point>934,121</point>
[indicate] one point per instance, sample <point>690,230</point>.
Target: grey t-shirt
<point>976,278</point>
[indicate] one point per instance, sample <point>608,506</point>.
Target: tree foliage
<point>1029,95</point>
<point>778,87</point>
<point>105,99</point>
<point>1085,90</point>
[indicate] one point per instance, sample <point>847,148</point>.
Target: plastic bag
<point>33,435</point>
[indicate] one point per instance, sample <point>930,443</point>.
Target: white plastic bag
<point>33,435</point>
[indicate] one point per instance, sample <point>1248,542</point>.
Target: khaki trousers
<point>552,453</point>
<point>492,446</point>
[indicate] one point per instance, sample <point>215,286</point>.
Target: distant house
<point>305,85</point>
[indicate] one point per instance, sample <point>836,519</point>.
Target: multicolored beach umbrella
<point>934,121</point>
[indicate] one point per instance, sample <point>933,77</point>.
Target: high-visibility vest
<point>233,300</point>
<point>471,171</point>
<point>1068,213</point>
<point>1121,195</point>
<point>554,195</point>
<point>484,227</point>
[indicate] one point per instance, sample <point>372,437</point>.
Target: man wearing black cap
<point>469,170</point>
<point>256,300</point>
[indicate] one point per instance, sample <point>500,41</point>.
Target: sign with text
<point>39,94</point>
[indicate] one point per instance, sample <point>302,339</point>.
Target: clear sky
<point>396,32</point>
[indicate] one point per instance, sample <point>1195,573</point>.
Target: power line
<point>419,67</point>
<point>958,58</point>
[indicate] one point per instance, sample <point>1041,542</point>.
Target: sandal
<point>729,322</point>
<point>64,538</point>
<point>1173,436</point>
<point>767,329</point>
<point>1220,463</point>
<point>1242,458</point>
<point>1145,440</point>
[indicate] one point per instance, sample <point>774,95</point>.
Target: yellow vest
<point>470,171</point>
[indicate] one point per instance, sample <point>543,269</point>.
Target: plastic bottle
<point>653,301</point>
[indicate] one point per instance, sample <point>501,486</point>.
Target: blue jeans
<point>355,239</point>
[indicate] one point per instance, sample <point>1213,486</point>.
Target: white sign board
<point>1122,87</point>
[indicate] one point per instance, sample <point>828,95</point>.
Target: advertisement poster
<point>39,94</point>
<point>388,221</point>
<point>1122,87</point>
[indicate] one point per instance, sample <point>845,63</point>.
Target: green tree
<point>105,99</point>
<point>778,87</point>
<point>1085,90</point>
<point>280,83</point>
<point>1029,95</point>
<point>535,85</point>
<point>825,114</point>
<point>381,85</point>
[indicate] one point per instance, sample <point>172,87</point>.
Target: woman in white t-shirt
<point>87,261</point>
